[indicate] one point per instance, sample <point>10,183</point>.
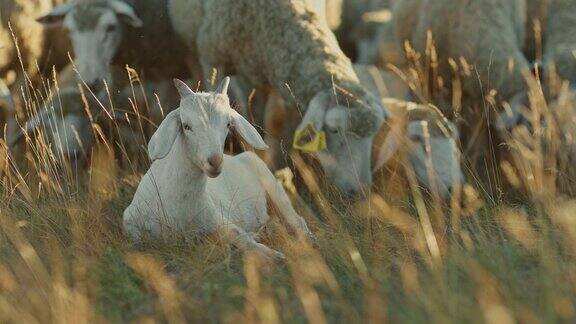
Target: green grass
<point>359,269</point>
<point>64,258</point>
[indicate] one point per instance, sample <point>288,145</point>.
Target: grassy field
<point>64,258</point>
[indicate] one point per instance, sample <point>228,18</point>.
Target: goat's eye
<point>187,127</point>
<point>229,125</point>
<point>111,28</point>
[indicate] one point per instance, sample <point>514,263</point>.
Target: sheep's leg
<point>245,241</point>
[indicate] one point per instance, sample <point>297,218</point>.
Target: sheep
<point>418,135</point>
<point>560,40</point>
<point>108,33</point>
<point>362,22</point>
<point>486,34</point>
<point>192,187</point>
<point>66,118</point>
<point>415,134</point>
<point>280,45</point>
<point>36,47</point>
<point>63,122</point>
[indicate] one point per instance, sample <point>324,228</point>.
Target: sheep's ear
<point>183,89</point>
<point>247,131</point>
<point>56,16</point>
<point>376,103</point>
<point>223,86</point>
<point>126,13</point>
<point>316,113</point>
<point>388,149</point>
<point>163,139</point>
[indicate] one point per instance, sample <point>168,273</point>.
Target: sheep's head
<point>96,29</point>
<point>429,142</point>
<point>200,125</point>
<point>349,124</point>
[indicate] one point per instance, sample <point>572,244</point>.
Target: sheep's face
<point>346,159</point>
<point>435,158</point>
<point>96,30</point>
<point>425,140</point>
<point>200,125</point>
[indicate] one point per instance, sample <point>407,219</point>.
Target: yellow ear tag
<point>308,140</point>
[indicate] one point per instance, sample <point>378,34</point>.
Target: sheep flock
<point>288,160</point>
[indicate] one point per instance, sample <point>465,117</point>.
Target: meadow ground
<point>63,258</point>
<point>409,259</point>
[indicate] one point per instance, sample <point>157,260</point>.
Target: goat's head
<point>201,125</point>
<point>429,142</point>
<point>347,125</point>
<point>96,29</point>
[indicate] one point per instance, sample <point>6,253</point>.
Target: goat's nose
<point>215,161</point>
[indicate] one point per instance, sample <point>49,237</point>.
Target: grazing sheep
<point>417,134</point>
<point>486,34</point>
<point>63,122</point>
<point>280,45</point>
<point>107,33</point>
<point>192,187</point>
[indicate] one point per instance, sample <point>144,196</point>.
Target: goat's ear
<point>183,89</point>
<point>316,113</point>
<point>126,13</point>
<point>247,131</point>
<point>57,15</point>
<point>163,139</point>
<point>223,86</point>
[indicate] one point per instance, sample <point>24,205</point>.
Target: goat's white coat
<point>176,196</point>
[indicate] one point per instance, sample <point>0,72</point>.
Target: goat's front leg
<point>246,242</point>
<point>280,199</point>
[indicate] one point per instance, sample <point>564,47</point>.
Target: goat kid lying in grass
<point>193,188</point>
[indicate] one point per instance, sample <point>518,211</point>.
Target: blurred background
<point>471,215</point>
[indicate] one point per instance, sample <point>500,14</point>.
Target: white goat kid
<point>193,188</point>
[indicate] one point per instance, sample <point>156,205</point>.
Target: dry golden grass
<point>64,258</point>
